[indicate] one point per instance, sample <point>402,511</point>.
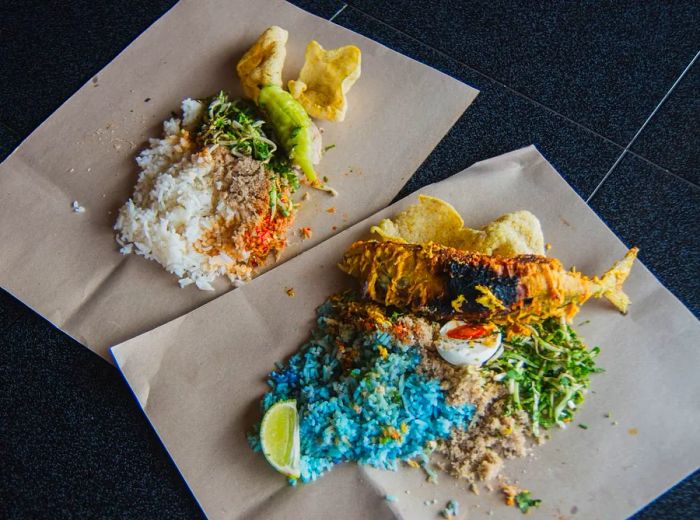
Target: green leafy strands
<point>238,125</point>
<point>547,373</point>
<point>524,501</point>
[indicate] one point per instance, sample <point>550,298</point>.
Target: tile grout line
<point>664,169</point>
<point>641,128</point>
<point>531,100</point>
<point>488,77</point>
<point>338,12</point>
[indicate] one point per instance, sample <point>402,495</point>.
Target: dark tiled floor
<point>78,38</point>
<point>603,64</point>
<point>672,137</point>
<point>10,310</point>
<point>679,503</point>
<point>323,8</point>
<point>497,122</point>
<point>8,141</point>
<point>607,72</point>
<point>658,212</point>
<point>74,441</point>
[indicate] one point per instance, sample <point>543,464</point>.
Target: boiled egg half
<point>464,344</point>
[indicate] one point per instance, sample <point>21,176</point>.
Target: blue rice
<point>359,395</point>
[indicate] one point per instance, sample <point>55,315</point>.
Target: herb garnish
<point>524,501</point>
<point>239,126</point>
<point>547,373</point>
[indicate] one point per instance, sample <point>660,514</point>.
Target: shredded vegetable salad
<point>547,373</point>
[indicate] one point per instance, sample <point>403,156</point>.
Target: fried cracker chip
<point>517,233</point>
<point>434,220</point>
<point>325,79</point>
<point>431,220</point>
<point>262,64</point>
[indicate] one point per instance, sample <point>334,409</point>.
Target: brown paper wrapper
<point>200,377</point>
<point>67,267</point>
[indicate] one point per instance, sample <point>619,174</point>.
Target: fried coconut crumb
<point>478,453</point>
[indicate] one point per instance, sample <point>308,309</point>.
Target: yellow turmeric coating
<point>446,282</point>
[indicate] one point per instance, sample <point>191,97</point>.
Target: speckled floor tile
<point>679,502</point>
<point>39,74</point>
<point>672,137</point>
<point>497,122</point>
<point>11,310</point>
<point>323,8</point>
<point>74,442</point>
<point>658,212</point>
<point>8,141</point>
<point>603,64</point>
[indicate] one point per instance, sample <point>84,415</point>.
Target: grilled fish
<point>447,283</point>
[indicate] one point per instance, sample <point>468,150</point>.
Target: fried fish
<point>446,283</point>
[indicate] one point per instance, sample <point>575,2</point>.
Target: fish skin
<point>447,283</point>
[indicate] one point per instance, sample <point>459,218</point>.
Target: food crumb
<point>390,498</point>
<point>583,426</point>
<point>325,178</point>
<point>451,510</point>
<point>520,498</point>
<point>547,246</point>
<point>305,232</point>
<point>408,491</point>
<point>633,431</point>
<point>330,210</point>
<point>290,291</point>
<point>615,423</point>
<point>146,100</point>
<point>77,208</point>
<point>306,196</point>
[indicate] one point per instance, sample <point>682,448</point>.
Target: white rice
<point>171,206</point>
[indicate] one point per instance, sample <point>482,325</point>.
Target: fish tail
<point>610,284</point>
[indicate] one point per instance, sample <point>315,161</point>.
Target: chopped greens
<point>239,126</point>
<point>236,125</point>
<point>524,501</point>
<point>546,373</point>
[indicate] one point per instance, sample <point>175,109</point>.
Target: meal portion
<point>444,358</point>
<point>215,195</point>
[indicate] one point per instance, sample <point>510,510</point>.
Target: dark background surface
<point>608,91</point>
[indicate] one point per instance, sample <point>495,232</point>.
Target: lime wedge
<point>279,436</point>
